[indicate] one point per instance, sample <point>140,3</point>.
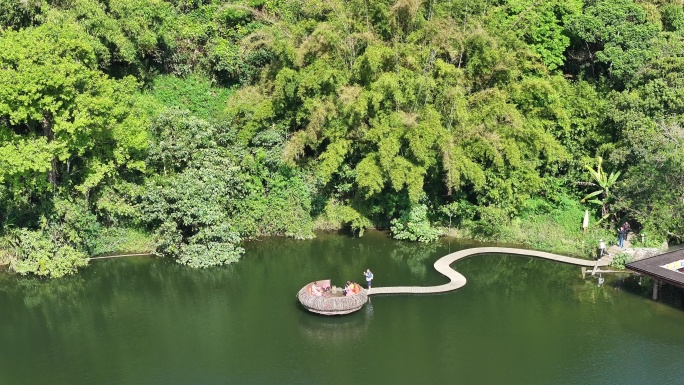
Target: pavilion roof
<point>653,267</point>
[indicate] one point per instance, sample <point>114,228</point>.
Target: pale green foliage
<point>346,215</point>
<point>251,111</point>
<point>540,24</point>
<point>369,176</point>
<point>66,107</point>
<point>332,158</point>
<point>195,93</point>
<point>414,225</point>
<point>67,130</point>
<point>125,31</point>
<point>422,100</point>
<point>43,253</point>
<point>549,224</point>
<point>120,240</point>
<point>450,210</point>
<point>606,182</point>
<point>673,17</point>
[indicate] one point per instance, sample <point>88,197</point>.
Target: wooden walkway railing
<point>457,280</point>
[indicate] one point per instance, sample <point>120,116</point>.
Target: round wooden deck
<point>457,280</point>
<point>330,304</point>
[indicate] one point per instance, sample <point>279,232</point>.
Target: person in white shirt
<point>369,277</point>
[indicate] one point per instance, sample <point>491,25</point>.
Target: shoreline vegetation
<point>550,232</point>
<point>184,128</point>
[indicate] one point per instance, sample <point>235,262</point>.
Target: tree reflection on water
<point>331,330</point>
<point>416,256</point>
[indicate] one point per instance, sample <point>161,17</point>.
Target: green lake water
<point>517,321</point>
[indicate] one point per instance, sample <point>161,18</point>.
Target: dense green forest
<point>183,127</point>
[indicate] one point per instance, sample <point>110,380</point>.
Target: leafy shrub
<point>189,204</point>
<point>193,93</point>
<point>543,224</point>
<point>461,210</point>
<point>76,223</point>
<point>649,240</point>
<point>346,215</point>
<point>212,246</point>
<point>413,225</point>
<point>620,260</point>
<point>191,211</point>
<point>43,253</point>
<point>492,223</point>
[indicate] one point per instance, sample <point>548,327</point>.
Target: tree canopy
<point>202,123</point>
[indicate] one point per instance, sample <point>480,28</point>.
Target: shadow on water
<point>415,257</point>
<point>327,330</point>
<point>642,287</point>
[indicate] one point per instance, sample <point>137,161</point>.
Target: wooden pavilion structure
<point>663,268</point>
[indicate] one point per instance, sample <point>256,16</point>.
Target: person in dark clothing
<point>626,227</point>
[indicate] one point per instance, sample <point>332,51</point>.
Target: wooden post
<point>678,298</point>
<point>655,289</point>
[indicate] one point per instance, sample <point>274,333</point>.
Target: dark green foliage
<point>190,201</point>
<point>274,117</point>
<point>19,14</point>
<point>210,192</point>
<point>617,36</point>
<point>275,203</point>
<point>673,17</point>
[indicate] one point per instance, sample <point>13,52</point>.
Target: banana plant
<point>604,182</point>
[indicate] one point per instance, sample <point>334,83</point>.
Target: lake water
<point>518,321</point>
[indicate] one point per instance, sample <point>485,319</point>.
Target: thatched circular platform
<point>328,304</point>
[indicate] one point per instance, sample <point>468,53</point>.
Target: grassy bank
<point>552,227</point>
<point>121,240</point>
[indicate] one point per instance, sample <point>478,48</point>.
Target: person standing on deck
<point>626,227</point>
<point>369,277</point>
<point>621,237</point>
<point>602,248</point>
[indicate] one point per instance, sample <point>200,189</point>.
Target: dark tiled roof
<point>652,267</point>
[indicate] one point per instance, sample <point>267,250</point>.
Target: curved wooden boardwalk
<point>458,280</point>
